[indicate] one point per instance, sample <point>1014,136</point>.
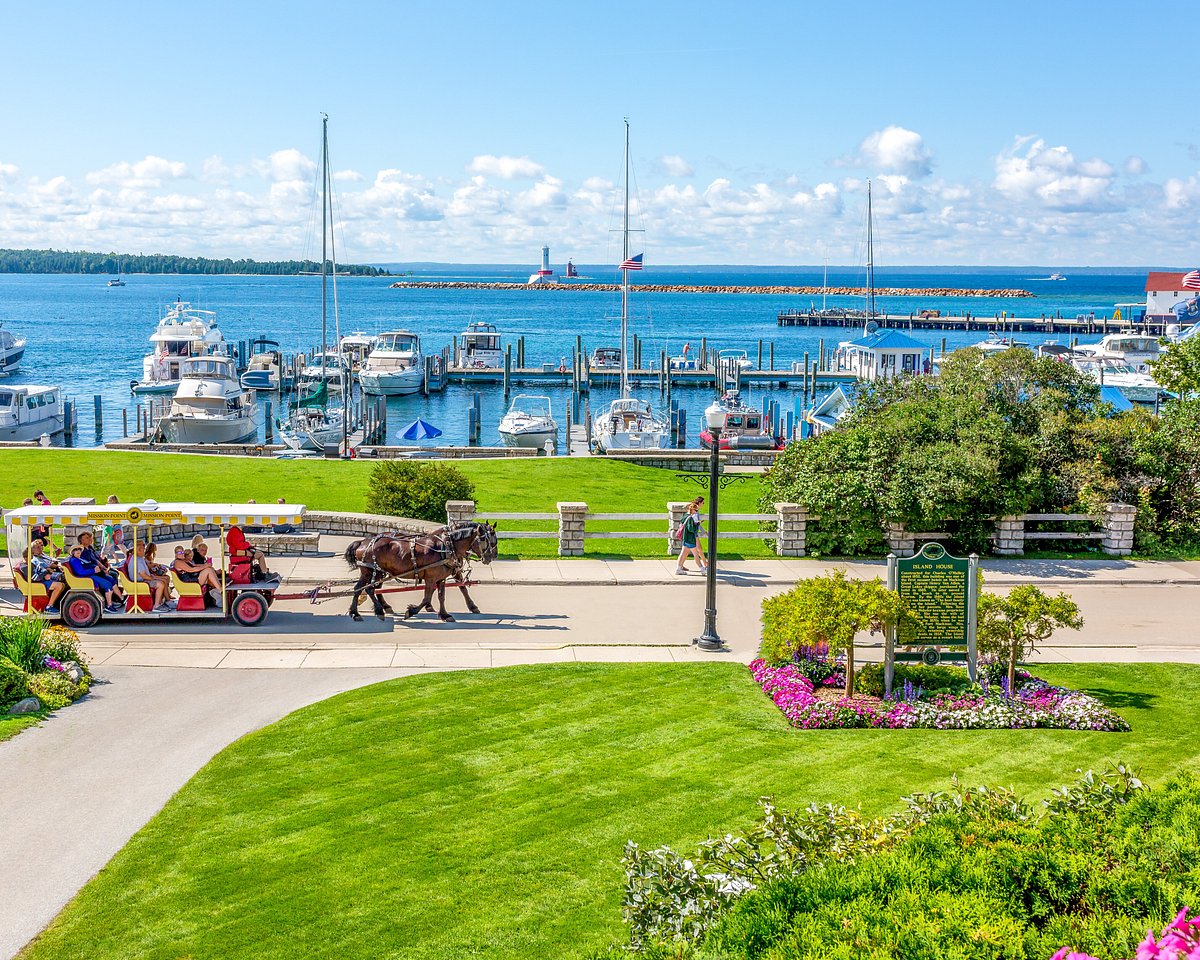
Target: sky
<point>1006,133</point>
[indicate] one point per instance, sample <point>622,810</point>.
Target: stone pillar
<point>458,511</point>
<point>1118,529</point>
<point>572,518</point>
<point>71,531</point>
<point>1010,536</point>
<point>791,530</point>
<point>676,511</point>
<point>899,540</point>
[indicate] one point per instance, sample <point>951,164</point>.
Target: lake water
<point>89,338</point>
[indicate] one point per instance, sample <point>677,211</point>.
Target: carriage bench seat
<point>300,543</point>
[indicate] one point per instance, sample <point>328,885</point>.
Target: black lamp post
<point>709,639</point>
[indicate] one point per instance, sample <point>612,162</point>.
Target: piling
<point>683,427</point>
<point>943,353</point>
<point>759,367</point>
<point>704,353</point>
<point>99,413</point>
<point>821,354</point>
<point>521,353</point>
<point>772,354</point>
<point>507,368</point>
<point>268,423</point>
<point>125,422</point>
<point>471,425</point>
<point>805,382</point>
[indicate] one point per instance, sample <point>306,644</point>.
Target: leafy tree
<point>62,261</point>
<point>1178,368</point>
<point>1011,626</point>
<point>830,609</point>
<point>404,488</point>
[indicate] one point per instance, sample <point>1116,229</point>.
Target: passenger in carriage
<point>47,572</point>
<point>242,552</point>
<point>91,556</point>
<point>145,568</point>
<point>201,573</point>
<point>88,571</point>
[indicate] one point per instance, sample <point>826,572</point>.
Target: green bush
<point>934,679</point>
<point>20,641</point>
<point>62,643</point>
<point>405,488</point>
<point>14,683</point>
<point>55,689</point>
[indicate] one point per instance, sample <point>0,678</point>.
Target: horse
<point>432,558</point>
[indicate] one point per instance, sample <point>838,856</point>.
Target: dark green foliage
<point>55,689</point>
<point>405,488</point>
<point>967,886</point>
<point>20,641</point>
<point>62,644</point>
<point>62,261</point>
<point>932,679</point>
<point>13,682</point>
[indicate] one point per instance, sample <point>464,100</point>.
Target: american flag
<point>635,263</point>
<point>1191,281</point>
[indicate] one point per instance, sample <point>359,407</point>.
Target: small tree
<point>419,491</point>
<point>830,609</point>
<point>1012,626</point>
<point>1178,368</point>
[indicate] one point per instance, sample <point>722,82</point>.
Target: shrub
<point>20,641</point>
<point>55,689</point>
<point>931,679</point>
<point>404,488</point>
<point>14,683</point>
<point>1010,627</point>
<point>62,644</point>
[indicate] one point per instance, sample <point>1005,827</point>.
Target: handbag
<point>678,533</point>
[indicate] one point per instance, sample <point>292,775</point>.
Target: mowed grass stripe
<point>484,814</point>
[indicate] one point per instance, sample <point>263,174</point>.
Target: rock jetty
<point>707,288</point>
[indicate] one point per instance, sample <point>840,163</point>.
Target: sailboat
<point>313,424</point>
<point>630,422</point>
<point>116,281</point>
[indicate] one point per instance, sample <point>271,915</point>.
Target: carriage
<point>243,597</point>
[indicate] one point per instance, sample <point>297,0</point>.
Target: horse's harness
<point>441,545</point>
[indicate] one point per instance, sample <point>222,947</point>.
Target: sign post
<point>943,592</point>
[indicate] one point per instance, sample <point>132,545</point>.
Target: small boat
<point>745,427</point>
<point>734,358</point>
<point>605,358</point>
<point>312,425</point>
<point>1056,276</point>
<point>12,349</point>
<point>479,347</point>
<point>395,368</point>
<point>116,281</point>
<point>356,347</point>
<point>994,344</point>
<point>528,423</point>
<point>329,367</point>
<point>1132,348</point>
<point>683,361</point>
<point>182,332</point>
<point>263,368</point>
<point>27,412</point>
<point>210,406</point>
<point>1136,386</point>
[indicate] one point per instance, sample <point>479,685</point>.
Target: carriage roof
<point>226,514</point>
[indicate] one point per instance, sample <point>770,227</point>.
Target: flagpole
<point>625,277</point>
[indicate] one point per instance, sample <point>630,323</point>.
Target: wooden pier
<point>1089,325</point>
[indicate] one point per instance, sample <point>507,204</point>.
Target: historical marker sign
<point>942,591</point>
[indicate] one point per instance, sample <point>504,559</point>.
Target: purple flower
<point>51,664</point>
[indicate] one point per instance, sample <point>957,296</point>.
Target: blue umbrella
<point>420,430</point>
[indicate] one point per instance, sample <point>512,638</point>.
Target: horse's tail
<point>351,554</point>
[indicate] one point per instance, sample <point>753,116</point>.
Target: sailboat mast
<point>625,276</point>
<point>870,258</point>
<point>324,232</point>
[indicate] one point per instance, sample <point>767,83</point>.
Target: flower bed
<point>1034,703</point>
<point>41,666</point>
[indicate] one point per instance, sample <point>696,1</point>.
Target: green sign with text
<point>937,588</point>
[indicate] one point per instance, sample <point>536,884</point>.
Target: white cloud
<point>506,168</point>
<point>897,150</point>
<point>289,164</point>
<point>8,172</point>
<point>1135,166</point>
<point>150,172</point>
<point>348,176</point>
<point>1030,171</point>
<point>675,166</point>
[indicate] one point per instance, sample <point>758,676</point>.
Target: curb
<point>749,579</point>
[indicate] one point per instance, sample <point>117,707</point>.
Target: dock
<point>1089,325</point>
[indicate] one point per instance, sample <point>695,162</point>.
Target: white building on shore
<point>1164,290</point>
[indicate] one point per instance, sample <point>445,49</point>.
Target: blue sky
<point>1014,133</point>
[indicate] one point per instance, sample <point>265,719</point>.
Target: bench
<point>300,543</point>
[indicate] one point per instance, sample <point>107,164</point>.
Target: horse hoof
<point>473,608</point>
<point>446,618</point>
<point>408,614</point>
<point>356,618</point>
<point>379,614</point>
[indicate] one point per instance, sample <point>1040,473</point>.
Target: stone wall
<point>1118,529</point>
<point>791,530</point>
<point>1010,536</point>
<point>572,520</point>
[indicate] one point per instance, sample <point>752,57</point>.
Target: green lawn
<point>483,814</point>
<point>505,486</point>
<point>10,726</point>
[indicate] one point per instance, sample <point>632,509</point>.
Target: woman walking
<point>689,535</point>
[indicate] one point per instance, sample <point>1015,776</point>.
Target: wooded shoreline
<point>715,288</point>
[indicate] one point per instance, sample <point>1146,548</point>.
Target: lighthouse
<point>543,275</point>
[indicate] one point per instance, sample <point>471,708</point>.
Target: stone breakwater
<point>692,288</point>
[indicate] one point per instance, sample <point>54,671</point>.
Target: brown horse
<point>432,559</point>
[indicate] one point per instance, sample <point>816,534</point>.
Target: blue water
<point>90,338</point>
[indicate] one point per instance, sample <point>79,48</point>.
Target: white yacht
<point>356,347</point>
<point>1137,386</point>
<point>395,367</point>
<point>12,348</point>
<point>528,423</point>
<point>263,368</point>
<point>479,346</point>
<point>630,423</point>
<point>210,405</point>
<point>182,332</point>
<point>996,344</point>
<point>734,358</point>
<point>28,412</point>
<point>1129,347</point>
<point>330,368</point>
<point>605,358</point>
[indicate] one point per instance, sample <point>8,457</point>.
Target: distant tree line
<point>64,261</point>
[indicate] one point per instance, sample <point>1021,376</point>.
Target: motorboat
<point>683,361</point>
<point>479,346</point>
<point>263,368</point>
<point>394,367</point>
<point>1132,348</point>
<point>182,332</point>
<point>605,358</point>
<point>12,349</point>
<point>329,367</point>
<point>1136,385</point>
<point>745,427</point>
<point>355,347</point>
<point>210,405</point>
<point>528,423</point>
<point>1056,276</point>
<point>630,424</point>
<point>995,344</point>
<point>734,358</point>
<point>27,412</point>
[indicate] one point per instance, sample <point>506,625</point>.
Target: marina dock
<point>1089,325</point>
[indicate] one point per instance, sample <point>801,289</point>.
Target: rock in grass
<point>73,671</point>
<point>28,705</point>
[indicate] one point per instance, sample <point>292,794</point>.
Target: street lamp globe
<point>714,416</point>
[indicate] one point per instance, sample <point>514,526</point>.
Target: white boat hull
<point>156,386</point>
<point>535,439</point>
<point>396,383</point>
<point>650,439</point>
<point>204,430</point>
<point>31,431</point>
